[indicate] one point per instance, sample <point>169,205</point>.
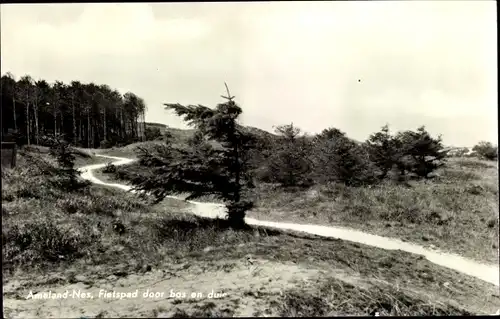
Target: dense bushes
<point>289,164</point>
<point>486,150</point>
<point>425,154</point>
<point>336,158</point>
<point>295,159</point>
<point>384,151</point>
<point>109,168</point>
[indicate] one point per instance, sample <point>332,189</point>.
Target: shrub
<point>109,168</point>
<point>105,144</point>
<point>486,150</point>
<point>65,175</point>
<point>290,164</point>
<point>259,154</point>
<point>152,133</point>
<point>420,153</point>
<point>44,240</point>
<point>383,150</point>
<point>336,158</point>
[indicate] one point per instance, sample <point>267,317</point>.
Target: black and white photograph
<point>249,159</point>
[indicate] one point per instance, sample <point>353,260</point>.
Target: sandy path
<point>488,273</point>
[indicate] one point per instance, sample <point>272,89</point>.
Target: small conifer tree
<point>204,168</point>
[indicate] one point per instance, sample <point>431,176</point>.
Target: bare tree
<point>25,94</point>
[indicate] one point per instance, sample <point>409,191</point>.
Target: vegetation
<point>89,115</point>
<point>486,150</point>
<point>75,232</point>
<point>64,154</point>
<point>420,153</point>
<point>383,150</point>
<point>202,169</point>
<point>391,184</point>
<point>382,186</point>
<point>289,163</point>
<point>152,133</point>
<point>457,211</point>
<point>338,159</point>
<point>109,168</point>
<point>332,157</point>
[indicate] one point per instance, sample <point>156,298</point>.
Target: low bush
<point>109,168</point>
<point>486,150</point>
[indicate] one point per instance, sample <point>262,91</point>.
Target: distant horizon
<point>272,132</point>
<point>348,65</point>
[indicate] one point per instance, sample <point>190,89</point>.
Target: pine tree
<point>290,165</point>
<point>383,150</point>
<point>66,175</point>
<point>201,168</point>
<point>425,153</point>
<point>338,159</point>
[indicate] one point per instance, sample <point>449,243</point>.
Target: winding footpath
<point>488,273</point>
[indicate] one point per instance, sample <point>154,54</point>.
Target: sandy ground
<point>234,288</point>
<point>488,273</point>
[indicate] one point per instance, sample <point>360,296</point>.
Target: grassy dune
<point>457,212</point>
<point>55,240</point>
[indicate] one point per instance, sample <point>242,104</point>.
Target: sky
<point>353,65</point>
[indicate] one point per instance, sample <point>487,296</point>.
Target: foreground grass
<point>52,238</point>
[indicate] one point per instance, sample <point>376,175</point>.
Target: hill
<point>194,267</point>
<point>159,125</point>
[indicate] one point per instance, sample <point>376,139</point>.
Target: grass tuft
<point>337,297</point>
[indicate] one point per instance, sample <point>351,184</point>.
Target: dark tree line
<point>86,114</point>
<point>330,156</point>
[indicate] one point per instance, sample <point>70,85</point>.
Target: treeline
<point>295,159</point>
<point>86,114</point>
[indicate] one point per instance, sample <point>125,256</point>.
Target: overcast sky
<point>429,62</point>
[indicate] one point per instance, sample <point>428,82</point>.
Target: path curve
<point>488,273</point>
